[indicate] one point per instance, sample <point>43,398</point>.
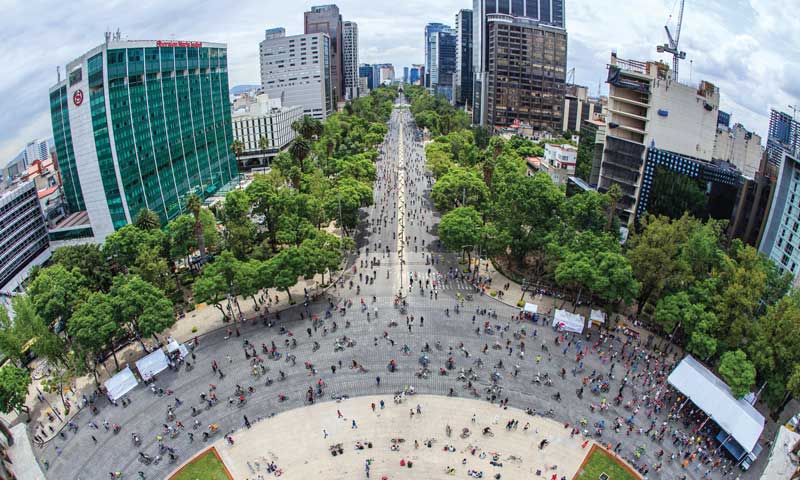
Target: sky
<point>748,48</point>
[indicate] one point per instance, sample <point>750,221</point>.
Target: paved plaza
<point>357,344</point>
<point>395,435</point>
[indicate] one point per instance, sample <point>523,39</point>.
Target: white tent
<point>173,345</point>
<point>568,322</point>
<point>120,384</point>
<point>530,308</point>
<point>598,316</point>
<point>737,417</point>
<point>152,364</point>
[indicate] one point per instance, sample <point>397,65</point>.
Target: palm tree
<point>194,204</point>
<point>307,127</point>
<point>147,220</point>
<point>237,147</point>
<point>263,143</point>
<point>300,149</point>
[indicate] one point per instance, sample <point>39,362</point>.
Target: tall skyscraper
<point>780,241</point>
<point>416,74</point>
<point>430,30</point>
<point>140,124</point>
<point>405,74</point>
<point>531,91</point>
<point>365,71</point>
<point>326,19</point>
<point>297,70</point>
<point>443,64</point>
<point>350,59</point>
<point>462,79</point>
<point>783,137</point>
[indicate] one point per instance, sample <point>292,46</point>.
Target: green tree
<point>240,231</point>
<point>93,325</point>
<point>300,149</point>
<point>13,337</point>
<point>460,230</point>
<point>89,260</point>
<point>738,372</point>
<point>194,205</point>
<point>55,291</point>
<point>125,245</point>
<point>459,187</point>
<point>237,147</point>
<point>141,307</point>
<point>308,127</point>
<point>14,384</point>
<point>147,219</point>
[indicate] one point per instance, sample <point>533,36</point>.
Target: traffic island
<point>600,464</point>
<point>207,465</point>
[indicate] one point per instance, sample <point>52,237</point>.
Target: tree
<point>239,229</point>
<point>576,271</point>
<point>125,245</point>
<point>55,291</point>
<point>195,205</point>
<point>89,260</point>
<point>14,383</point>
<point>154,269</point>
<point>738,372</point>
<point>459,187</point>
<point>308,127</point>
<point>141,306</point>
<point>263,143</point>
<point>46,343</point>
<point>300,150</point>
<point>147,219</point>
<point>93,326</point>
<point>237,147</point>
<point>13,337</point>
<point>211,288</point>
<point>460,230</point>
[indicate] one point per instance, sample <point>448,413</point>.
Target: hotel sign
<point>77,97</point>
<point>165,43</point>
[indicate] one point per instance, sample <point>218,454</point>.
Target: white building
<point>646,109</point>
<point>386,74</point>
<point>739,147</point>
<point>264,117</point>
<point>781,240</point>
<point>559,162</point>
<point>363,86</point>
<point>297,70</point>
<point>23,236</point>
<point>350,59</point>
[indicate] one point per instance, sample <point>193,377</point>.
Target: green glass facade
<point>62,136</point>
<point>161,123</point>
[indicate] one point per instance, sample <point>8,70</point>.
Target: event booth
<point>566,321</point>
<point>120,384</point>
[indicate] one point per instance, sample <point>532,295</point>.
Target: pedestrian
<point>353,426</point>
<point>338,413</point>
<point>377,381</point>
<point>246,421</point>
<point>94,439</point>
<point>382,404</point>
<point>373,406</point>
<point>324,433</point>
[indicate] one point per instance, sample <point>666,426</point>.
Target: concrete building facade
<point>23,236</point>
<point>296,70</point>
<point>559,162</point>
<point>740,147</point>
<point>783,137</point>
<point>350,59</point>
<point>326,19</point>
<point>648,109</point>
<point>781,240</point>
<point>578,106</point>
<point>141,124</point>
<point>264,126</point>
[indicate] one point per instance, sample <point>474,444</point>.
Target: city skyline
<point>739,47</point>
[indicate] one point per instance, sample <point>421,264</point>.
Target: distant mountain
<point>240,89</point>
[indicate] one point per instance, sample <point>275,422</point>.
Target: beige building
<point>739,147</point>
<point>648,109</point>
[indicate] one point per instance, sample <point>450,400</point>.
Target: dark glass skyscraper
<point>462,79</point>
<point>784,137</point>
<point>326,19</point>
<point>430,38</point>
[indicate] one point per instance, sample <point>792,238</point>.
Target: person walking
<point>377,381</point>
<point>246,421</point>
<point>353,426</point>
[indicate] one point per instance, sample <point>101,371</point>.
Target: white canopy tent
<point>173,345</point>
<point>530,308</point>
<point>152,364</point>
<point>568,322</point>
<point>737,417</point>
<point>120,384</point>
<point>598,316</point>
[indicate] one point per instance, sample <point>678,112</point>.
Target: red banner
<point>165,43</point>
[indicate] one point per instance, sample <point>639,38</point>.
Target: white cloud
<point>749,48</point>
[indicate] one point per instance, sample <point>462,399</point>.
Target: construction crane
<point>672,45</point>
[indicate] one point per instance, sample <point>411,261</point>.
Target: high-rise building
<point>520,63</point>
<point>443,64</point>
<point>405,74</point>
<point>781,242</point>
<point>365,71</point>
<point>140,124</point>
<point>297,70</point>
<point>652,121</point>
<point>462,78</point>
<point>783,137</point>
<point>363,88</point>
<point>350,59</point>
<point>430,38</point>
<point>386,72</point>
<point>24,242</point>
<point>326,19</point>
<point>416,74</point>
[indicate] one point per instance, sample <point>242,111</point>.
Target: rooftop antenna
<point>672,45</point>
<point>794,108</point>
<point>58,73</point>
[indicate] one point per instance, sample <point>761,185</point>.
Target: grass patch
<point>601,462</point>
<point>204,467</point>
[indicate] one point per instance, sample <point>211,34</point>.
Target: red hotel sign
<point>77,97</point>
<point>164,43</point>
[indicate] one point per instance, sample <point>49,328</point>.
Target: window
<point>75,76</point>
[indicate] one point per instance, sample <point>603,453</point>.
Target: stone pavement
<point>318,427</point>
